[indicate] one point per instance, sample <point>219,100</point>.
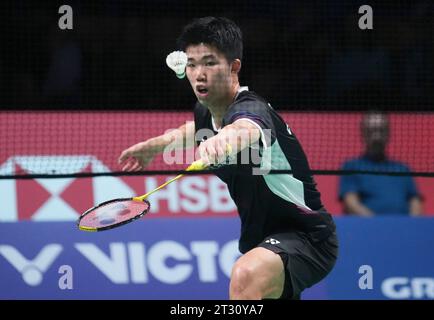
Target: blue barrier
<point>398,251</point>
<point>380,258</point>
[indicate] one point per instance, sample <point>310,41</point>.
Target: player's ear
<point>236,66</point>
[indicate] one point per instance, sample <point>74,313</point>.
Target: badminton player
<point>288,239</point>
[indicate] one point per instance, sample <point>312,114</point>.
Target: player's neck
<point>219,108</point>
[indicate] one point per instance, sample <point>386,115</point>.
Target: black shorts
<point>306,262</point>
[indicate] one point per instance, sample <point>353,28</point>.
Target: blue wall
<point>192,258</point>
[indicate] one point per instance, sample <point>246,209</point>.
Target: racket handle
<point>197,165</point>
<point>200,165</point>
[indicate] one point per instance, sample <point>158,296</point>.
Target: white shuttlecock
<point>177,61</point>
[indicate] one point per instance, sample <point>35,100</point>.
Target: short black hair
<point>219,32</point>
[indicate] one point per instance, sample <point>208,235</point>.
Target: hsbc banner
<point>91,142</point>
<point>381,258</point>
<point>64,199</point>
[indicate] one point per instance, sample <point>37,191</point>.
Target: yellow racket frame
<point>197,165</point>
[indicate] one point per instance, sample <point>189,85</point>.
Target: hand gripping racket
<point>117,212</point>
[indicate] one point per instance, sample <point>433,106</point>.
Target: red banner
<point>92,142</point>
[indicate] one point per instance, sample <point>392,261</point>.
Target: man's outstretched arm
<point>138,156</point>
<point>239,135</point>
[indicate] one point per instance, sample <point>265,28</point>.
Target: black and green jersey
<point>268,203</point>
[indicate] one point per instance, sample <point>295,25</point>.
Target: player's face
<point>376,133</point>
<point>209,74</point>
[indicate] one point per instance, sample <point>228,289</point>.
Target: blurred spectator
<point>368,195</point>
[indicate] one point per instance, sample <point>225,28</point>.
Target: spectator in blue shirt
<point>368,194</point>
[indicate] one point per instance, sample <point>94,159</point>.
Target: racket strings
<point>113,213</point>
